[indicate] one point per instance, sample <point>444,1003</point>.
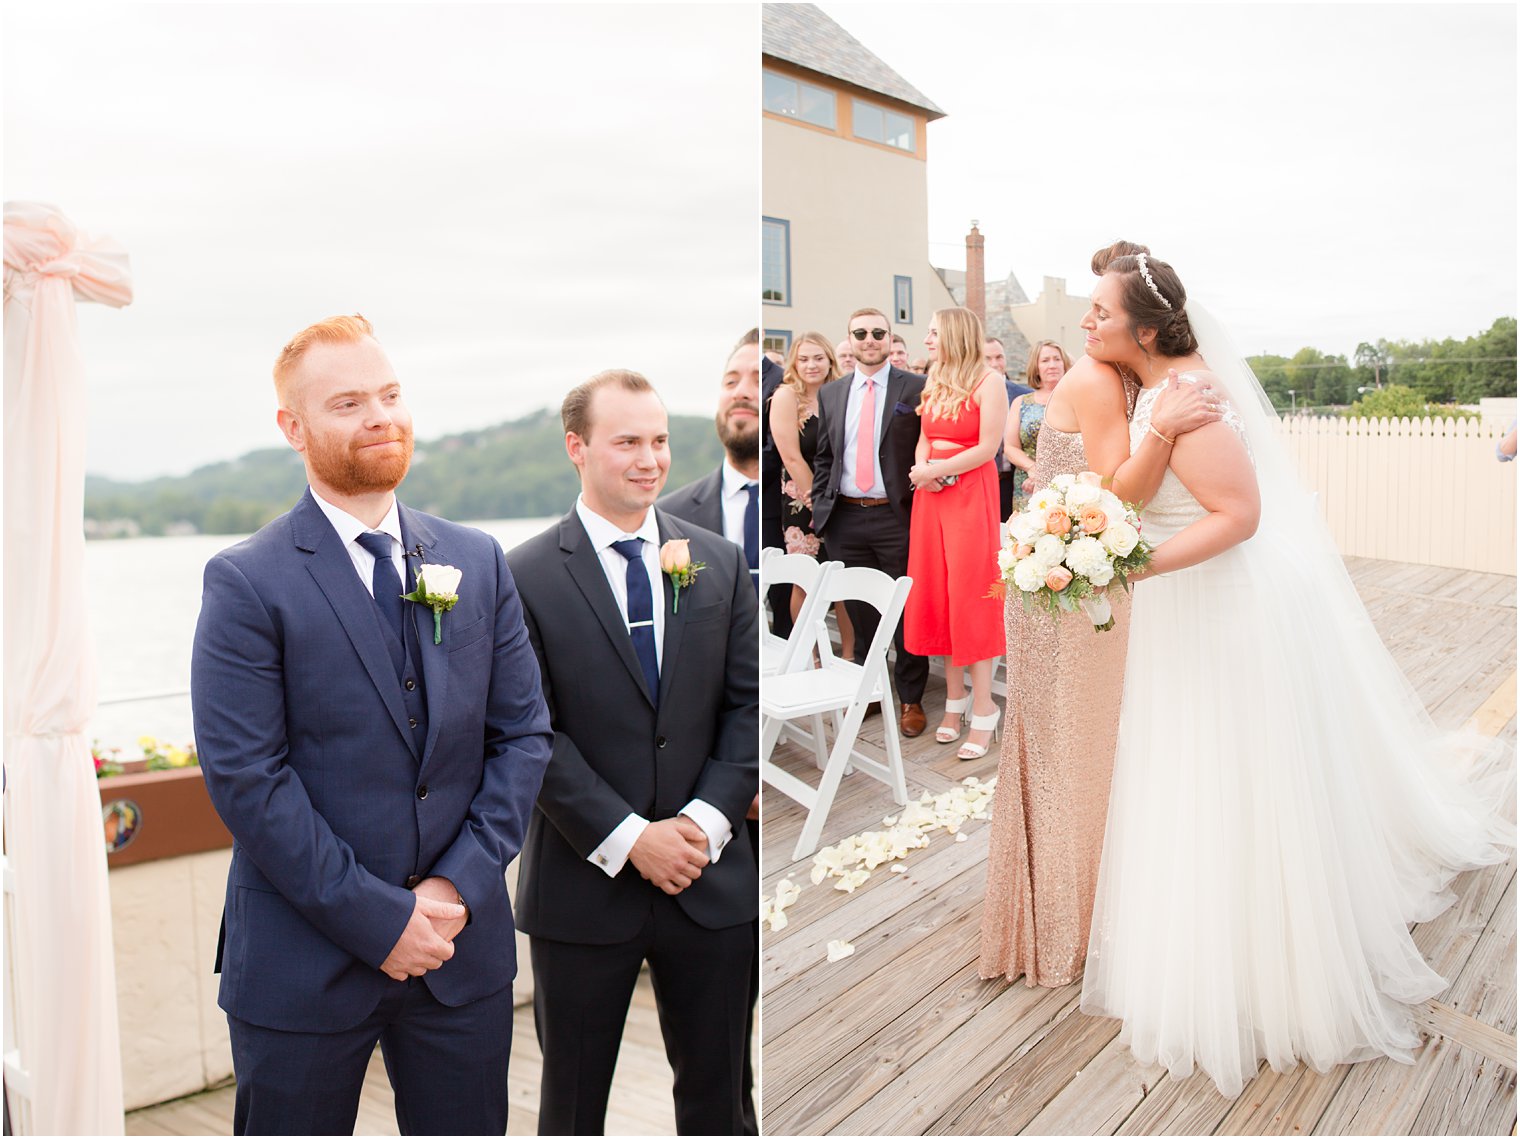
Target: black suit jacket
<point>615,754</point>
<point>770,461</point>
<point>895,444</point>
<point>700,502</point>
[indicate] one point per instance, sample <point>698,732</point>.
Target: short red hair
<point>333,330</point>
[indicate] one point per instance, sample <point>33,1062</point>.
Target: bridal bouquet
<point>1073,543</point>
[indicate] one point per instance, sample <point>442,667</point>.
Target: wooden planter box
<point>158,814</point>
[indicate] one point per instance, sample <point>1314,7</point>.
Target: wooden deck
<point>904,1038</point>
<point>641,1101</point>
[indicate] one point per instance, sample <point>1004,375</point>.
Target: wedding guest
<point>1048,362</point>
<point>376,771</point>
<point>952,551</point>
<point>919,365</point>
<point>775,357</point>
<point>637,850</point>
<point>844,356</point>
<point>727,501</point>
<point>772,530</point>
<point>862,497</point>
<point>793,421</point>
<point>997,359</point>
<point>1505,451</point>
<point>899,353</point>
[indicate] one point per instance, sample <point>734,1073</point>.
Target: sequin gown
<point>1065,681</point>
<point>952,554</point>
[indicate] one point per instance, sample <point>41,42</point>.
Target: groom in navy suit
<point>377,777</point>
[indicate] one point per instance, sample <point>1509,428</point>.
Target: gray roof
<point>803,35</point>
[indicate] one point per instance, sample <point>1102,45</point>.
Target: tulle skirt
<point>1281,808</point>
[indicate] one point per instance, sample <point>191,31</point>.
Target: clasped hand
<point>924,477</point>
<point>670,853</point>
<point>428,939</point>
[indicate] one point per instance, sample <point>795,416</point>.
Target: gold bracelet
<point>1151,427</point>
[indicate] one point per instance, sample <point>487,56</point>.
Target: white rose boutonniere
<point>438,589</point>
<point>676,564</point>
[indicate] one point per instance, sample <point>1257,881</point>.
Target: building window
<point>795,99</point>
<point>776,261</point>
<point>877,124</point>
<point>776,340</point>
<point>902,299</point>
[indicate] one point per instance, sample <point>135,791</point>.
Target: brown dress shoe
<point>913,721</point>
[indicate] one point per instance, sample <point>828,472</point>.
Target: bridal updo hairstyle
<point>1174,333</point>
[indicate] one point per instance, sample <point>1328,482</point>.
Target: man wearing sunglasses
<point>867,432</point>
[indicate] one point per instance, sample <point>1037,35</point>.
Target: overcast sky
<point>1320,174</point>
<point>517,197</point>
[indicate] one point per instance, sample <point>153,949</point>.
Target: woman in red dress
<point>953,539</point>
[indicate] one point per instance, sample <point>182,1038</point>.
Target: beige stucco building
<point>844,186</point>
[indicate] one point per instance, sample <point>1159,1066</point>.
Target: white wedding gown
<point>1281,807</point>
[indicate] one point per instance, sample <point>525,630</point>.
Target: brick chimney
<point>976,274</point>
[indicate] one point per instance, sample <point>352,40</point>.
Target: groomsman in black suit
<point>637,849</point>
<point>862,499</point>
<point>699,503</point>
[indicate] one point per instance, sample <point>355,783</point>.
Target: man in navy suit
<point>376,774</point>
<point>638,850</point>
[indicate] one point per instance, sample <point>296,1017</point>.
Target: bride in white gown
<point>1282,806</point>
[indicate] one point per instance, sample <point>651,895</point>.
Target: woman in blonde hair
<point>793,418</point>
<point>1048,362</point>
<point>953,539</point>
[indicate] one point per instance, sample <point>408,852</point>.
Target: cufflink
<point>601,860</point>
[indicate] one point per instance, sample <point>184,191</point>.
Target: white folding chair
<point>844,688</point>
<point>784,654</point>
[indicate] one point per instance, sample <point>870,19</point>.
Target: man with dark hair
<point>996,359</point>
<point>899,354</point>
<point>862,499</point>
<point>644,627</point>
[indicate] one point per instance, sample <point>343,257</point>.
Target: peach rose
<point>1024,550</point>
<point>1057,521</point>
<point>675,555</point>
<point>1094,521</point>
<point>1058,578</point>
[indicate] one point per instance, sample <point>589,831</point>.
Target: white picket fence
<point>1428,491</point>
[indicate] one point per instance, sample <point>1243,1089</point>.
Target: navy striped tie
<point>641,614</point>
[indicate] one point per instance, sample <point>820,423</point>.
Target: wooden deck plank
<point>904,1045</point>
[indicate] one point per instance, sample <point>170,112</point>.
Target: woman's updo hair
<point>1152,294</point>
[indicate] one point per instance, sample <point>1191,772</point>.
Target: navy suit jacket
<point>303,737</point>
<point>616,753</point>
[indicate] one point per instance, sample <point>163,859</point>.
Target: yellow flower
<point>178,757</point>
<point>147,743</point>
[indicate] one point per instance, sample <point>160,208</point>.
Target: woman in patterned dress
<point>1048,362</point>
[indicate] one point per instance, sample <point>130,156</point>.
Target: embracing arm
<point>517,742</point>
<point>237,689</point>
<point>1212,463</point>
<point>786,435</point>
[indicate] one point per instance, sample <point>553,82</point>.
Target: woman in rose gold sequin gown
<point>1065,681</point>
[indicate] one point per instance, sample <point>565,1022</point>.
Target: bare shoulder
<point>1092,383</point>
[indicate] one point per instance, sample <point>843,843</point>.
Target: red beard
<point>352,469</point>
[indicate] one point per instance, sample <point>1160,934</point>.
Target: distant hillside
<point>513,470</point>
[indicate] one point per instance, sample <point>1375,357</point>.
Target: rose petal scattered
<point>839,950</point>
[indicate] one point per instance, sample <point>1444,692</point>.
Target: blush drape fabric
<point>60,924</point>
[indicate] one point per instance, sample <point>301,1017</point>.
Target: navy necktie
<point>752,534</point>
<point>641,614</point>
<point>387,585</point>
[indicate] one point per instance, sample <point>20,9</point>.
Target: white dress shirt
<point>613,852</point>
<point>735,502</point>
<point>858,382</point>
<point>349,528</point>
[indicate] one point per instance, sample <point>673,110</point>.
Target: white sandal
<point>943,734</point>
<point>980,724</point>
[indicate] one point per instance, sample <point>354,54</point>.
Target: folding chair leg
<point>820,749</point>
<point>839,757</point>
<point>899,782</point>
<point>770,732</point>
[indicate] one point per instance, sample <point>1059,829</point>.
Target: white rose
<point>1029,575</point>
<point>1042,500</point>
<point>1026,528</point>
<point>1120,538</point>
<point>1006,559</point>
<point>1101,576</point>
<point>1048,551</point>
<point>1087,556</point>
<point>1064,483</point>
<point>439,581</point>
<point>1080,495</point>
<point>1109,503</point>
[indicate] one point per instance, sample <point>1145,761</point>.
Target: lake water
<point>145,597</point>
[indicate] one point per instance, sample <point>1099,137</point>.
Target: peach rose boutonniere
<point>676,564</point>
